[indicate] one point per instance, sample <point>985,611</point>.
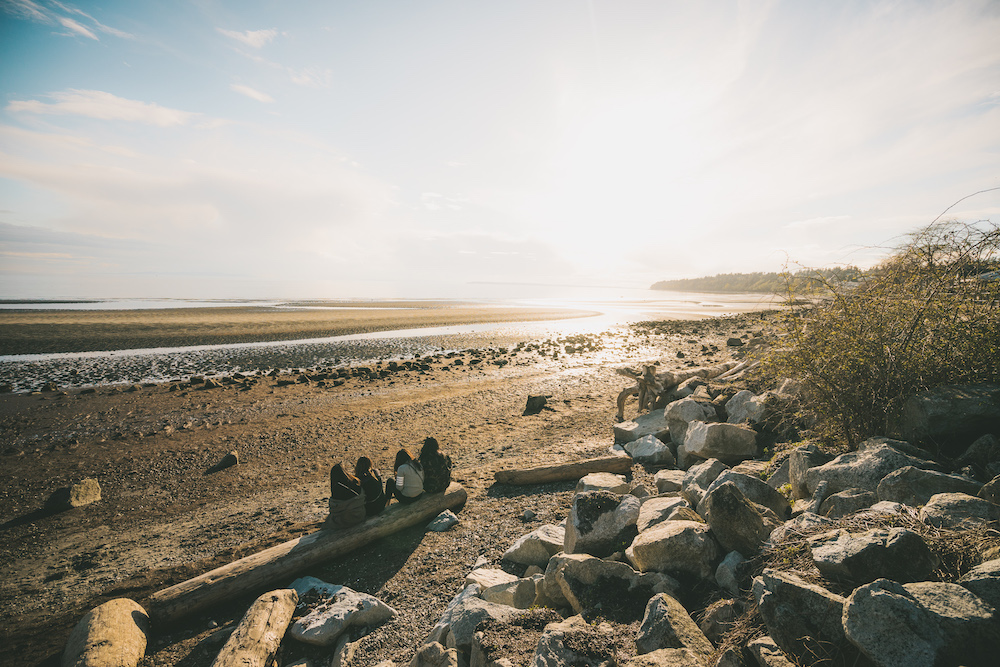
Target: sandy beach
<point>163,518</point>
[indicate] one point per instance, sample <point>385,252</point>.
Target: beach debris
<point>256,639</point>
<point>536,404</point>
<point>113,634</point>
<point>332,609</point>
<point>564,471</point>
<point>654,389</point>
<point>81,493</point>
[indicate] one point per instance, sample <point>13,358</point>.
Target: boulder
<point>603,481</point>
<point>736,522</point>
<point>920,624</point>
<point>601,523</point>
<point>684,513</point>
<point>805,523</point>
<point>485,577</point>
<point>685,460</point>
<point>433,654</point>
<point>652,423</point>
<point>846,502</point>
<point>669,480</point>
<point>685,547</point>
<point>755,489</point>
<point>649,450</point>
<point>519,593</point>
<point>719,618</point>
<point>803,619</point>
<point>466,610</point>
<point>575,642</point>
<point>915,486</point>
<point>680,414</point>
<point>890,553</point>
<point>728,574</point>
<point>729,443</point>
<point>745,407</point>
<point>767,653</point>
<point>78,494</point>
<point>863,469</point>
<point>799,461</point>
<point>950,418</point>
<point>656,510</point>
<point>957,511</point>
<point>991,491</point>
<point>535,404</point>
<point>608,588</point>
<point>339,608</point>
<point>699,478</point>
<point>984,581</point>
<point>443,521</point>
<point>538,546</point>
<point>981,453</point>
<point>113,634</point>
<point>666,624</point>
<point>781,475</point>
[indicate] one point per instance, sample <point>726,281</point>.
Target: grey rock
<point>736,522</point>
<point>656,510</point>
<point>729,443</point>
<point>719,618</point>
<point>958,511</point>
<point>981,453</point>
<point>727,575</point>
<point>555,647</point>
<point>685,459</point>
<point>984,581</point>
<point>600,523</point>
<point>699,478</point>
<point>443,521</point>
<point>652,423</point>
<point>863,469</point>
<point>465,611</point>
<point>685,547</point>
<point>767,653</point>
<point>846,502</point>
<point>603,481</point>
<point>343,609</point>
<point>669,480</point>
<point>914,486</point>
<point>666,624</point>
<point>649,450</point>
<point>519,593</point>
<point>799,461</point>
<point>781,475</point>
<point>803,619</point>
<point>538,546</point>
<point>78,494</point>
<point>680,414</point>
<point>991,491</point>
<point>587,582</point>
<point>951,417</point>
<point>920,624</point>
<point>639,491</point>
<point>668,657</point>
<point>745,407</point>
<point>755,489</point>
<point>890,553</point>
<point>433,654</point>
<point>484,577</point>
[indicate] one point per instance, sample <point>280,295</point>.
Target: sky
<point>391,148</point>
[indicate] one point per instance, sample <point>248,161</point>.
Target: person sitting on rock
<point>347,498</point>
<point>371,484</point>
<point>409,483</point>
<point>437,467</point>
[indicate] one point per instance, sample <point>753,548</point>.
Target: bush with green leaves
<point>928,315</point>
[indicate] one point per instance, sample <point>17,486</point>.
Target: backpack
<point>347,513</point>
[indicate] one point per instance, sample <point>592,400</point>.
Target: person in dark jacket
<point>437,467</point>
<point>408,485</point>
<point>347,499</point>
<point>371,484</point>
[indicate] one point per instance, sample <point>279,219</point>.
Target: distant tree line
<point>800,281</point>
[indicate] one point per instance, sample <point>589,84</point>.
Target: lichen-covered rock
<point>729,443</point>
<point>863,469</point>
<point>466,610</point>
<point>599,586</point>
<point>891,553</point>
<point>538,546</point>
<point>736,522</point>
<point>342,608</point>
<point>601,522</point>
<point>984,581</point>
<point>666,624</point>
<point>914,486</point>
<point>685,547</point>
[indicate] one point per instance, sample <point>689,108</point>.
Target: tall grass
<point>924,317</point>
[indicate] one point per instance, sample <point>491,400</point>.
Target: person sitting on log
<point>437,467</point>
<point>408,485</point>
<point>347,498</point>
<point>371,484</point>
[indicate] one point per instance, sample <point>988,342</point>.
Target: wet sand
<point>53,331</point>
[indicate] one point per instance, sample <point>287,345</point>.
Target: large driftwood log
<point>651,387</point>
<point>564,471</point>
<point>262,569</point>
<point>257,638</point>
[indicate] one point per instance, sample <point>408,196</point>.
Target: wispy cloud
<point>104,106</point>
<point>56,13</point>
<point>313,77</point>
<point>251,93</point>
<point>253,38</point>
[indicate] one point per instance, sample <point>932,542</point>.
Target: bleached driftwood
<point>564,471</point>
<point>262,569</point>
<point>652,387</point>
<point>257,638</point>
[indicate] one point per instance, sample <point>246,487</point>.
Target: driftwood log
<point>260,570</point>
<point>564,471</point>
<point>654,388</point>
<point>257,638</point>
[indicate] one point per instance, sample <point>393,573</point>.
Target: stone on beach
<point>652,423</point>
<point>339,608</point>
<point>113,634</point>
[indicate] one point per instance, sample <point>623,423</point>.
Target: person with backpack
<point>371,484</point>
<point>347,499</point>
<point>409,483</point>
<point>437,467</point>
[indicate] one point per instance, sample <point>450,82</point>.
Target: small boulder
<point>601,523</point>
<point>745,407</point>
<point>538,546</point>
<point>680,414</point>
<point>846,502</point>
<point>893,553</point>
<point>863,469</point>
<point>984,581</point>
<point>466,610</point>
<point>958,511</point>
<point>669,480</point>
<point>603,481</point>
<point>485,577</point>
<point>666,624</point>
<point>575,642</point>
<point>656,510</point>
<point>609,588</point>
<point>649,450</point>
<point>340,608</point>
<point>535,404</point>
<point>728,574</point>
<point>736,522</point>
<point>729,443</point>
<point>799,461</point>
<point>767,653</point>
<point>443,521</point>
<point>698,478</point>
<point>433,654</point>
<point>755,489</point>
<point>914,486</point>
<point>805,523</point>
<point>951,417</point>
<point>685,547</point>
<point>81,493</point>
<point>519,593</point>
<point>652,423</point>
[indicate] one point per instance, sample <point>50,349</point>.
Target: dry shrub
<point>922,318</point>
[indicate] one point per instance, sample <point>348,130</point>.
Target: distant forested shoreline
<point>767,283</point>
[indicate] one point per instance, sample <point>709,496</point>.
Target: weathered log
<point>651,387</point>
<point>110,635</point>
<point>257,638</point>
<point>262,569</point>
<point>564,471</point>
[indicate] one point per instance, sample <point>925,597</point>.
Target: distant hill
<point>759,282</point>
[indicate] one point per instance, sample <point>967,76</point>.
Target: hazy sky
<point>202,148</point>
